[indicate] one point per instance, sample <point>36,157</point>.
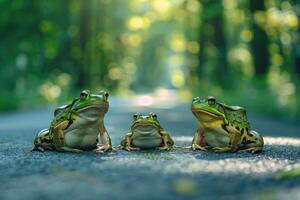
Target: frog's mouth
<point>205,115</point>
<point>144,127</point>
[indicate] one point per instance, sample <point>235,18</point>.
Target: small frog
<point>146,133</point>
<point>76,126</point>
<point>223,128</point>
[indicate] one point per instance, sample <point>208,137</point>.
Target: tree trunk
<point>259,43</point>
<point>213,37</point>
<point>84,32</point>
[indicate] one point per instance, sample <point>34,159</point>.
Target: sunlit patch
<point>177,78</point>
<point>183,138</point>
<point>115,73</point>
<point>190,162</point>
<point>178,42</point>
<point>161,6</point>
<point>282,141</point>
<point>50,92</point>
<point>135,23</point>
<point>145,100</point>
<point>246,35</point>
<point>281,85</point>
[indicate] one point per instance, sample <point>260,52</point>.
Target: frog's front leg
<point>234,142</point>
<point>127,143</point>
<point>59,136</point>
<point>167,141</point>
<point>198,142</point>
<point>105,139</point>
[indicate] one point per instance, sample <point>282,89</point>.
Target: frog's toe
<point>128,148</point>
<point>164,148</point>
<point>102,148</point>
<point>222,149</point>
<point>38,149</point>
<point>252,150</point>
<point>198,147</point>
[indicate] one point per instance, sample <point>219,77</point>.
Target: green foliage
<point>245,52</point>
<point>289,174</point>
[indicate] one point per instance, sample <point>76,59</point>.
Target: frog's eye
<point>211,100</point>
<point>153,115</point>
<point>84,94</point>
<point>196,99</point>
<point>105,94</point>
<point>136,115</point>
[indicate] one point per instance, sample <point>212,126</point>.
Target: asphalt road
<point>177,174</point>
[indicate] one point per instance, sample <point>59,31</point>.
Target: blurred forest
<point>244,52</point>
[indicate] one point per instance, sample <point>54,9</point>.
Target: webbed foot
<point>164,148</point>
<point>38,149</point>
<point>223,149</point>
<point>198,147</point>
<point>252,150</point>
<point>129,148</point>
<point>68,149</point>
<point>101,148</point>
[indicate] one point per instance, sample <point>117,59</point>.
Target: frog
<point>223,128</point>
<point>146,133</point>
<point>77,126</point>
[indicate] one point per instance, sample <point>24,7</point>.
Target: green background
<point>243,52</point>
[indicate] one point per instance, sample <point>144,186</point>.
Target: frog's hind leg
<point>126,144</point>
<point>233,146</point>
<point>253,143</point>
<point>252,150</point>
<point>198,142</point>
<point>222,149</point>
<point>42,148</point>
<point>69,149</point>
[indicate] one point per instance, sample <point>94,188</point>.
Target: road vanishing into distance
<point>176,174</point>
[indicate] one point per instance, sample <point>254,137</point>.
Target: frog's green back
<point>236,116</point>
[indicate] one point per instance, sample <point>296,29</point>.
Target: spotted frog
<point>223,128</point>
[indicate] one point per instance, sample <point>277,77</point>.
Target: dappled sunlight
<point>245,52</point>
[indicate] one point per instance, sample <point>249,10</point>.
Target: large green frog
<point>76,126</point>
<point>146,133</point>
<point>223,128</point>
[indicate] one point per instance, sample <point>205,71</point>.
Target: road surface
<point>177,174</point>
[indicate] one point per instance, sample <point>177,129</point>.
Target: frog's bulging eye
<point>136,115</point>
<point>106,94</point>
<point>153,115</point>
<point>211,100</point>
<point>84,94</point>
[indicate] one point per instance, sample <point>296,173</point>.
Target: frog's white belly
<point>216,137</point>
<point>82,135</point>
<point>149,139</point>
